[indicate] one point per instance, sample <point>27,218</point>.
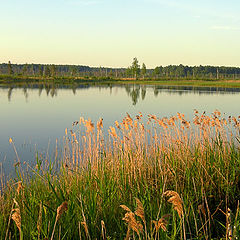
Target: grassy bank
<point>164,179</point>
<point>21,80</point>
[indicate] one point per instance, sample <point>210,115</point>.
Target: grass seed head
<point>161,223</point>
<point>16,217</point>
<point>177,202</point>
<point>133,224</point>
<point>100,124</point>
<point>20,186</point>
<point>85,228</point>
<point>125,208</point>
<point>61,209</point>
<point>140,210</point>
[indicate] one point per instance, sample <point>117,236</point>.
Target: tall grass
<point>166,178</point>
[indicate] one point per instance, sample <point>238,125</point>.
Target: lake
<point>35,116</point>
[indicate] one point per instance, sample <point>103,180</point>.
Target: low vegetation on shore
<point>22,81</point>
<point>154,178</point>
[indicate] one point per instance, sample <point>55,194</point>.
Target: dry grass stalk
<point>229,226</point>
<point>161,223</point>
<point>133,224</point>
<point>201,209</point>
<point>130,219</point>
<point>16,217</point>
<point>177,202</point>
<point>100,124</point>
<point>125,208</point>
<point>79,230</point>
<point>140,210</point>
<point>85,229</point>
<point>112,131</point>
<point>20,186</point>
<point>89,125</point>
<point>9,220</point>
<point>104,232</point>
<point>84,222</point>
<point>39,222</point>
<point>61,209</point>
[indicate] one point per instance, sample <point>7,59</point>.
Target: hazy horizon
<point>110,33</point>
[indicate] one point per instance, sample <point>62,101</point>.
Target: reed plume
<point>61,209</point>
<point>161,223</point>
<point>130,219</point>
<point>16,217</point>
<point>140,210</point>
<point>176,201</point>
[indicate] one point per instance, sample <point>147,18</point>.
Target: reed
<point>180,177</point>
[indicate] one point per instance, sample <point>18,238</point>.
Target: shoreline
<point>21,81</point>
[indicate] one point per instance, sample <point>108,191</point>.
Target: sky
<point>111,33</point>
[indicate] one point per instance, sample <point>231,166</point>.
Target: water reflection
<point>134,91</point>
<point>38,114</point>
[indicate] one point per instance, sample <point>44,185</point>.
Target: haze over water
<point>35,117</point>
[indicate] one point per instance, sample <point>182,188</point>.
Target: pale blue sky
<point>112,32</point>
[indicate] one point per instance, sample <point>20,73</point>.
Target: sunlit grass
<point>154,178</point>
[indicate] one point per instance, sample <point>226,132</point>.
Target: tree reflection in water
<point>134,91</point>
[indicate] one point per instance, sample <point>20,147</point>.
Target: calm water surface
<point>35,116</point>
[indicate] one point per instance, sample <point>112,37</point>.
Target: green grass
<point>21,80</point>
<point>98,173</point>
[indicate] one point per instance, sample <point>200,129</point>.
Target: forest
<point>134,71</point>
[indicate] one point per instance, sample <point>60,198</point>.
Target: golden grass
<point>153,165</point>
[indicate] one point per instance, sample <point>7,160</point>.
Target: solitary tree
<point>135,68</point>
<point>144,70</point>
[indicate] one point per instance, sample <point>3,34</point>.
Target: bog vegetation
<point>164,178</point>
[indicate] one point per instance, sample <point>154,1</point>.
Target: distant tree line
<point>135,71</point>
